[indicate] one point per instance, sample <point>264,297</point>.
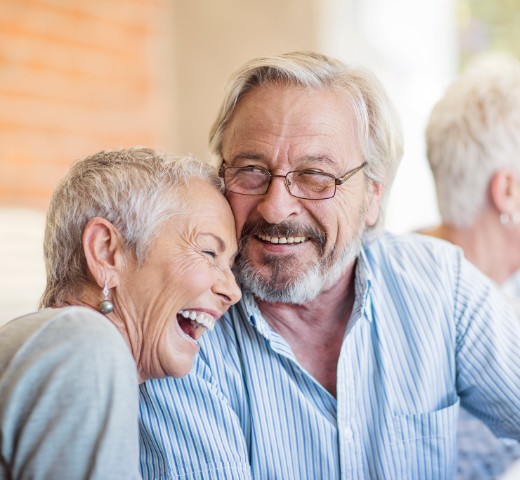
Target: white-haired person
<point>473,147</point>
<point>351,349</point>
<point>138,250</point>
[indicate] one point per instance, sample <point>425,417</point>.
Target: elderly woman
<point>138,248</point>
<point>473,140</point>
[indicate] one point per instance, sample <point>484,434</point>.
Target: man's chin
<point>274,287</point>
<point>282,282</point>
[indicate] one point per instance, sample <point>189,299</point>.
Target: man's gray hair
<point>473,131</point>
<point>379,128</point>
<point>131,188</point>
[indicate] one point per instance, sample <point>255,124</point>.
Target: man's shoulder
<point>412,241</point>
<point>412,258</point>
<point>411,247</point>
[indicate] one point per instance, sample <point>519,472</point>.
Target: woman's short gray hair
<point>473,131</point>
<point>379,128</point>
<point>132,189</point>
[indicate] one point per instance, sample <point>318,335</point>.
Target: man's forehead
<point>292,115</point>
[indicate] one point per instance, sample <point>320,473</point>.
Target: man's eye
<point>210,253</point>
<point>252,168</point>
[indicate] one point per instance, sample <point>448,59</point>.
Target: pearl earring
<point>504,218</point>
<point>106,306</point>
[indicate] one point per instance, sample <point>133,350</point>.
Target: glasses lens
<point>246,180</point>
<point>311,185</point>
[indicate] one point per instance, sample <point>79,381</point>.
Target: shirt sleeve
<point>487,353</point>
<point>69,403</point>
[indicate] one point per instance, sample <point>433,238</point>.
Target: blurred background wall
<point>78,76</point>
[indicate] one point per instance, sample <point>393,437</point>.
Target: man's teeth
<point>204,320</point>
<point>266,238</point>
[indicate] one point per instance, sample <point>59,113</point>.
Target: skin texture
<point>502,260</point>
<point>285,128</point>
<point>187,268</point>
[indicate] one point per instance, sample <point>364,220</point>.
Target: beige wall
<point>213,38</point>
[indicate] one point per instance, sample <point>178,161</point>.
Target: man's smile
<point>279,239</point>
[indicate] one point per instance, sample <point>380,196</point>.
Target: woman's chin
<point>180,362</point>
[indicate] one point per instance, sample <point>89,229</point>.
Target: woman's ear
<point>505,192</point>
<point>103,249</point>
<point>374,202</point>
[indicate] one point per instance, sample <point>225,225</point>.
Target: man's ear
<point>374,202</point>
<point>103,248</point>
<point>505,192</point>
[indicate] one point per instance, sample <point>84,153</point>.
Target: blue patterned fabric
<point>482,456</point>
<point>428,332</point>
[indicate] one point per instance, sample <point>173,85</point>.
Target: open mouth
<point>194,324</point>
<point>285,240</point>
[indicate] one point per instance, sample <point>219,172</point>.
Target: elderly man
<point>351,349</point>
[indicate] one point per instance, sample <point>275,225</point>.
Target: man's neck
<point>315,330</point>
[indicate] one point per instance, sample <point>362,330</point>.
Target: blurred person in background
<point>138,250</point>
<point>473,147</point>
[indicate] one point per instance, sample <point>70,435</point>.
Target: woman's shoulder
<point>66,322</point>
<point>70,332</point>
<point>72,319</point>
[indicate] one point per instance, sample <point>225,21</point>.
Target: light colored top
<point>511,289</point>
<point>68,398</point>
<point>428,332</point>
<point>481,455</point>
<point>513,473</point>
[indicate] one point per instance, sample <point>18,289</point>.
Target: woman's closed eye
<point>210,253</point>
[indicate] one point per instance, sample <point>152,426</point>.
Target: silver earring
<point>504,218</point>
<point>106,306</point>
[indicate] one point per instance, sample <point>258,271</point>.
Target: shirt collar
<point>362,303</point>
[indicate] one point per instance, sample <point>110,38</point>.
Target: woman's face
<point>184,285</point>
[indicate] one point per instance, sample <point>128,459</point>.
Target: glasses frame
<point>337,180</point>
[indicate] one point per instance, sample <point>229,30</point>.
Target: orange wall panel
<point>75,78</point>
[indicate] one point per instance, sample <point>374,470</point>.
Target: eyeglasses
<point>306,184</point>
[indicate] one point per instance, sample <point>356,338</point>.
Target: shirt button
<point>348,434</point>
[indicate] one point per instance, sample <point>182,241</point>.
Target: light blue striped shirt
<point>427,332</point>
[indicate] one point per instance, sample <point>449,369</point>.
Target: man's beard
<point>286,282</point>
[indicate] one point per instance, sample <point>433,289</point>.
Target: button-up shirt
<point>427,333</point>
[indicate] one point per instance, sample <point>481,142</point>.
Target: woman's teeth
<point>269,239</point>
<point>200,318</point>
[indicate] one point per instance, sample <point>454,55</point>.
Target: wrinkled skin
<point>188,267</point>
<point>284,128</point>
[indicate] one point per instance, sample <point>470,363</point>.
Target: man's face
<point>292,249</point>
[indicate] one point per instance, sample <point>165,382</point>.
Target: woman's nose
<point>228,289</point>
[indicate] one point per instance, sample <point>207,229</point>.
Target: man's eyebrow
<point>259,156</point>
<point>246,156</point>
<point>317,158</point>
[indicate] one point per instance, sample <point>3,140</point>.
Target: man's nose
<point>278,204</point>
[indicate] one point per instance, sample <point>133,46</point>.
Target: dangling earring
<point>504,218</point>
<point>106,306</point>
